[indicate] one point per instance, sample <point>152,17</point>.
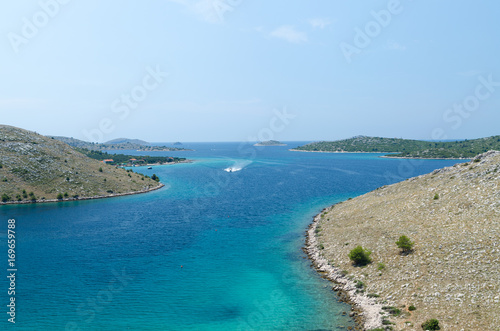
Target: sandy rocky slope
<point>453,273</point>
<point>47,167</point>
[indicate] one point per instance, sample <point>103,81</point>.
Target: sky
<point>241,70</point>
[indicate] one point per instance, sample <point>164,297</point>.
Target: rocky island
<point>35,168</point>
<point>451,274</point>
<point>270,143</point>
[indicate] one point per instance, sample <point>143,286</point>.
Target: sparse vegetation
<point>36,164</point>
<point>405,244</point>
<point>5,197</point>
<point>432,324</point>
<point>454,252</point>
<point>436,196</point>
<point>360,256</point>
<point>392,310</point>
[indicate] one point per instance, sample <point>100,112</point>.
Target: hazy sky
<point>230,70</point>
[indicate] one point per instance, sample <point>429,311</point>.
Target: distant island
<point>447,269</point>
<point>118,144</point>
<point>35,168</point>
<point>270,143</point>
<point>406,148</point>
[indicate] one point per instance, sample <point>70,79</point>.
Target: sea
<point>212,250</point>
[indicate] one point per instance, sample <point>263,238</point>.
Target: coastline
<point>386,156</point>
<point>365,311</point>
<point>341,152</point>
<point>157,164</point>
<point>113,195</point>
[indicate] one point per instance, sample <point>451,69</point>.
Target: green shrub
<point>360,256</point>
<point>59,196</point>
<point>156,178</point>
<point>359,284</point>
<point>381,266</point>
<point>405,244</point>
<point>436,196</point>
<point>412,308</point>
<point>432,324</point>
<point>5,197</point>
<point>392,310</point>
<point>100,169</point>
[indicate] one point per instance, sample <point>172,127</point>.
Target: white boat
<point>232,169</point>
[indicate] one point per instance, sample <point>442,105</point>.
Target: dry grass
<point>47,167</point>
<point>453,274</point>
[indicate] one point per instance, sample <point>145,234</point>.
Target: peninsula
<point>452,272</point>
<point>35,168</point>
<point>118,144</point>
<point>406,148</point>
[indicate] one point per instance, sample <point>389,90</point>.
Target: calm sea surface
<point>211,251</point>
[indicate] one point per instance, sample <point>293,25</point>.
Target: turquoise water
<point>210,251</point>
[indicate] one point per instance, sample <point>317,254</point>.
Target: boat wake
<point>232,169</point>
<point>238,166</point>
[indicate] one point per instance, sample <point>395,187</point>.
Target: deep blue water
<point>210,251</point>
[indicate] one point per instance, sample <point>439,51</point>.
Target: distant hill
<point>127,141</point>
<point>35,167</point>
<point>270,143</point>
<point>117,144</point>
<point>406,148</point>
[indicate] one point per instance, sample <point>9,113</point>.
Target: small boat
<point>150,167</point>
<point>229,169</point>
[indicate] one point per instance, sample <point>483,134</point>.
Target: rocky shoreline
<point>113,195</point>
<point>365,311</point>
<point>452,273</point>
